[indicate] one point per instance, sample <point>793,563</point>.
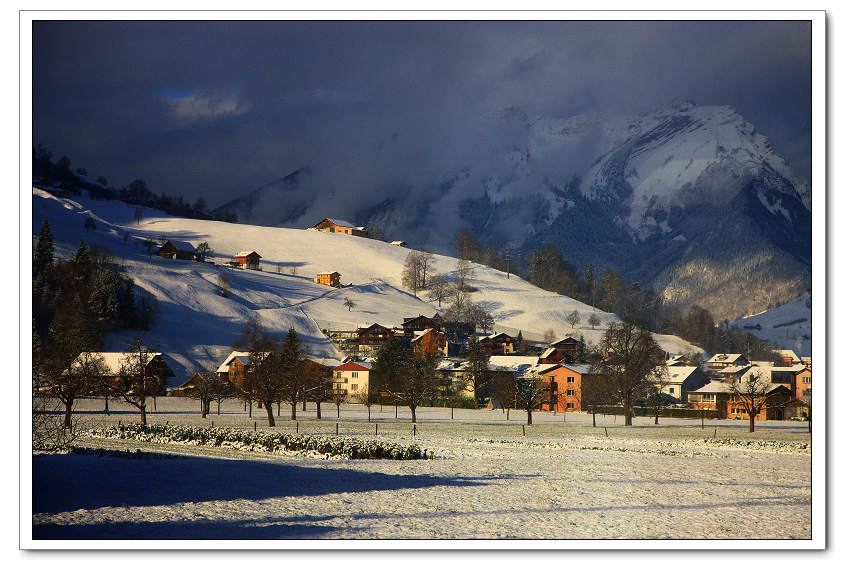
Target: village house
<point>235,368</point>
<point>399,243</point>
<point>500,344</point>
<point>338,226</point>
<point>720,361</point>
<point>787,358</point>
<point>372,337</point>
<point>554,355</point>
<point>430,342</point>
<point>352,379</point>
<point>156,365</point>
<point>569,346</point>
<point>452,374</point>
<point>332,279</point>
<point>712,396</point>
<point>412,325</point>
<point>680,380</point>
<point>187,389</point>
<point>677,360</point>
<point>175,249</point>
<point>719,396</point>
<point>246,260</point>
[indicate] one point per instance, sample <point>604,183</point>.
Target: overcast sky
<point>219,108</point>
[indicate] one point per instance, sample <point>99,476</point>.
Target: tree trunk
<point>413,414</point>
<point>529,416</point>
<point>154,404</point>
<point>143,415</point>
<point>303,405</point>
<point>218,407</point>
<point>205,406</point>
<point>655,419</point>
<point>508,417</point>
<point>293,410</point>
<point>250,408</point>
<point>338,409</point>
<point>68,406</point>
<point>319,412</point>
<point>271,421</point>
<point>629,414</point>
<point>368,413</point>
<point>106,410</point>
<point>751,423</point>
<point>594,417</point>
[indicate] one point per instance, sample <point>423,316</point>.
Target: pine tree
<point>43,256</point>
<point>82,261</point>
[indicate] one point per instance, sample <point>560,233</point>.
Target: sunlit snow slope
<point>197,326</point>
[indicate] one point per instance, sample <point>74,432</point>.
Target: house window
<point>354,387</point>
<point>570,392</point>
<point>331,229</point>
<point>570,406</point>
<point>354,374</point>
<point>338,374</point>
<point>551,378</point>
<point>671,390</point>
<point>570,379</point>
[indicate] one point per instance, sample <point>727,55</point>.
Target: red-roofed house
<point>351,378</point>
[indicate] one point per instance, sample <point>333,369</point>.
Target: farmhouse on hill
<point>175,249</point>
<point>331,279</point>
<point>338,226</point>
<point>247,260</point>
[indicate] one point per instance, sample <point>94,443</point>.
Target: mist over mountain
<point>690,200</point>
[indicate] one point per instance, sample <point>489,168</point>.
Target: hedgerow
<point>262,441</point>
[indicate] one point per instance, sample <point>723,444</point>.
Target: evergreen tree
<point>82,262</point>
<point>478,375</point>
<point>43,255</point>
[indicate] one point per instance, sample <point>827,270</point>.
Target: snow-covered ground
<point>564,479</point>
<point>788,326</point>
<point>197,326</point>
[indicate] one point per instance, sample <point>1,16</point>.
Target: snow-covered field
<point>197,326</point>
<point>564,480</point>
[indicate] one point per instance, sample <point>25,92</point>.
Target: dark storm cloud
<point>216,109</point>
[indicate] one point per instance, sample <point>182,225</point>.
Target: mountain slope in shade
<point>273,204</point>
<point>197,326</point>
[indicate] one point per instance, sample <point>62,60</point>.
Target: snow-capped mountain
<point>690,200</point>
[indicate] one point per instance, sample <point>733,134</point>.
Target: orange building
<point>331,279</point>
<point>338,226</point>
<point>567,385</point>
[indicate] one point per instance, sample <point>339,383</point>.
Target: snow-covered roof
<point>512,363</point>
<point>733,369</point>
<point>579,368</point>
<point>548,352</point>
<point>719,358</point>
<point>246,253</point>
<point>398,242</point>
<point>327,272</point>
<point>714,387</point>
<point>243,356</point>
<point>677,374</point>
<point>113,360</point>
<point>342,223</point>
<point>180,245</point>
<point>788,354</point>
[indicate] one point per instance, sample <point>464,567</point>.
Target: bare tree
<point>339,396</point>
<point>416,383</point>
<point>348,304</point>
<point>504,390</point>
<point>464,272</point>
<point>223,284</point>
<point>549,336</point>
<point>530,392</point>
<point>367,396</point>
<point>594,321</point>
<point>137,380</point>
<point>138,215</point>
<point>629,356</point>
<point>438,289</point>
<point>412,276</point>
<point>656,397</point>
<point>753,392</point>
<point>209,386</point>
<point>573,319</point>
<point>79,379</point>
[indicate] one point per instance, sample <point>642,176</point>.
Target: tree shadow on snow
<point>64,483</point>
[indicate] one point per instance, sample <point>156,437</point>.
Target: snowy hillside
<point>197,326</point>
<point>787,326</point>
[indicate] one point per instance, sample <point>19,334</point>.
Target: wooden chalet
<point>412,325</point>
<point>399,243</point>
<point>247,260</point>
<point>175,249</point>
<point>187,389</point>
<point>499,344</point>
<point>331,279</point>
<point>554,355</point>
<point>373,336</point>
<point>430,342</point>
<point>719,397</point>
<point>567,345</point>
<point>338,226</point>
